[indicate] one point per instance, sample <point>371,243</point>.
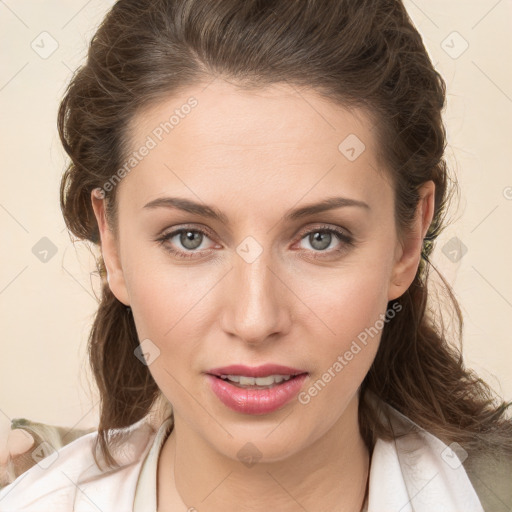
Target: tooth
<point>265,381</point>
<point>247,381</point>
<point>257,381</point>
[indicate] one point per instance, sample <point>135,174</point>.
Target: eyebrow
<point>211,212</point>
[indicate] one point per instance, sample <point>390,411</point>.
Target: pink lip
<point>256,401</point>
<point>257,371</point>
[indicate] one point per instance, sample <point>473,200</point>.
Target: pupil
<point>191,239</point>
<point>318,240</point>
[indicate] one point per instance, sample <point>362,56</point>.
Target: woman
<point>266,183</point>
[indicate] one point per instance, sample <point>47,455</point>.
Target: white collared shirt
<point>415,472</point>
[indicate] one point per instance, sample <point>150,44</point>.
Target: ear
<point>408,251</point>
<point>109,250</point>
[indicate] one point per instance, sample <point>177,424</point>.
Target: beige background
<point>47,308</point>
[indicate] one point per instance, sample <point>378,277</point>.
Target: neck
<point>330,474</point>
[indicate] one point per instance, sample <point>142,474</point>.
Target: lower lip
<point>256,401</point>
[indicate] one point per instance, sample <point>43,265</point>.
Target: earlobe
<point>109,250</point>
<point>408,251</point>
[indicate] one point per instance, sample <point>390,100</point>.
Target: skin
<point>254,155</point>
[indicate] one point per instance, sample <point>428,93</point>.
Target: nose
<point>257,305</point>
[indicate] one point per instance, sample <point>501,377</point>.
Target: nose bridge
<point>257,307</point>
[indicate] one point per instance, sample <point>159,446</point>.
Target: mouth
<point>245,382</point>
<point>259,377</point>
<point>269,388</point>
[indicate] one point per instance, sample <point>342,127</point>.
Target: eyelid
<point>300,234</point>
<point>184,227</point>
<point>164,241</point>
<point>344,236</point>
<point>324,227</point>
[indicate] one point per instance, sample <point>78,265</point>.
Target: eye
<point>189,242</point>
<point>186,243</point>
<point>324,237</point>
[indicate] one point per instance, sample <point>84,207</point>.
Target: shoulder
<point>69,479</point>
<point>490,473</point>
<point>430,469</point>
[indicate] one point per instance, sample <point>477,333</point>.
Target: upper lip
<point>255,371</point>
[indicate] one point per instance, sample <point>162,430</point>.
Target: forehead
<point>225,115</point>
<point>279,139</point>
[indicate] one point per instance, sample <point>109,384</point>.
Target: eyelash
<point>341,235</point>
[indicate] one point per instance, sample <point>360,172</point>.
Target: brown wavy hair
<point>365,54</point>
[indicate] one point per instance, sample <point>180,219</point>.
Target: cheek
<point>173,308</point>
<point>164,296</point>
<point>349,313</point>
<point>165,309</point>
<point>171,323</point>
<point>355,315</point>
<point>350,300</point>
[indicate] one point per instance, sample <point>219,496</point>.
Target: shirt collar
<point>417,472</point>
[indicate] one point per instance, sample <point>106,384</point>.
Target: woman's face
<point>263,281</point>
